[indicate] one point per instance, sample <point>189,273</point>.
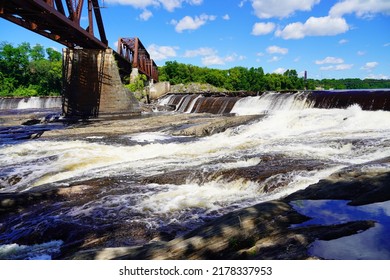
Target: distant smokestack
<point>305,76</point>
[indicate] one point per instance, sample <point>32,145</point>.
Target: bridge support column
<point>92,86</point>
<point>134,74</point>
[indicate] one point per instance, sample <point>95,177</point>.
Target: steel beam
<point>135,52</point>
<point>49,18</point>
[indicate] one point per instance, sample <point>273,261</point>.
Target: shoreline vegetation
<point>27,70</point>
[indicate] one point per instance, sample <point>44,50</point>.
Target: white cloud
<point>242,3</point>
<point>378,77</point>
<point>281,8</point>
<point>330,60</point>
<point>200,52</point>
<point>274,59</point>
<point>140,4</point>
<point>190,23</point>
<point>361,53</point>
<point>215,59</point>
<point>343,41</point>
<point>276,49</point>
<point>369,66</point>
<point>314,26</point>
<point>145,15</point>
<point>226,17</point>
<point>263,28</point>
<point>338,67</point>
<point>279,70</point>
<point>161,52</point>
<point>386,45</point>
<point>362,8</point>
<point>169,5</point>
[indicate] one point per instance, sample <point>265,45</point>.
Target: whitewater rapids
<point>321,140</point>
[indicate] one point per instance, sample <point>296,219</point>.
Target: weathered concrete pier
<point>92,85</point>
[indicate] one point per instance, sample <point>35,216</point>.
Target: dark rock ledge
<point>264,231</point>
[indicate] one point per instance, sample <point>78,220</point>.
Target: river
<point>128,189</point>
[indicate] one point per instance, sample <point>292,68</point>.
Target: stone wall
<point>92,86</point>
<point>159,89</point>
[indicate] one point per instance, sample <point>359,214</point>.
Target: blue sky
<point>328,38</point>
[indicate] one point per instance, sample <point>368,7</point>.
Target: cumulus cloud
<point>338,67</point>
<point>145,15</point>
<point>169,5</point>
<point>369,66</point>
<point>200,52</point>
<point>281,8</point>
<point>276,49</point>
<point>343,41</point>
<point>263,28</point>
<point>314,26</point>
<point>337,64</point>
<point>215,59</point>
<point>274,59</point>
<point>161,52</point>
<point>226,17</point>
<point>280,70</point>
<point>330,60</point>
<point>378,77</point>
<point>190,23</point>
<point>362,8</point>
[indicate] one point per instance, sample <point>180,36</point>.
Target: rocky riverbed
<point>350,204</point>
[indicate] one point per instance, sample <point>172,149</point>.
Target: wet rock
<point>258,232</point>
<point>32,122</point>
<point>361,187</point>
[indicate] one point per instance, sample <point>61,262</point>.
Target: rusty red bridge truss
<point>60,20</point>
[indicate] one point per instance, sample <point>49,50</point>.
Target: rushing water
<point>30,102</point>
<point>293,146</point>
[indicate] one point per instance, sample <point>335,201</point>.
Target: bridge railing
<point>134,51</point>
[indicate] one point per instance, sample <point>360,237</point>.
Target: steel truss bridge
<point>60,20</point>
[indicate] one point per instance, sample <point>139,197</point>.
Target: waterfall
<point>279,101</point>
<point>271,101</point>
<point>30,103</point>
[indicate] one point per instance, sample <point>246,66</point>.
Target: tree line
<point>35,71</point>
<point>254,79</point>
<point>29,71</point>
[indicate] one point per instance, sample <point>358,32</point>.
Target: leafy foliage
<point>25,70</point>
<point>254,79</point>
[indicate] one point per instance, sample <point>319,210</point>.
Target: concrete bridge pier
<point>92,85</point>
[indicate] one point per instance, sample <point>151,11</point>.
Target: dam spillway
<point>370,100</point>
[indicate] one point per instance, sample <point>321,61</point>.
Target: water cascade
<point>270,101</point>
<point>121,190</point>
<point>30,103</point>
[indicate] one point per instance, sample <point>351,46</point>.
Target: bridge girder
<point>135,52</point>
<point>56,21</point>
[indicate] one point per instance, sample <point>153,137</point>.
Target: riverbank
<point>294,226</point>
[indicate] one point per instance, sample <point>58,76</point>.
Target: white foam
<point>340,137</point>
<point>42,251</point>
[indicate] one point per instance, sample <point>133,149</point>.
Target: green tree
<point>53,55</point>
<point>37,53</point>
<point>24,71</point>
